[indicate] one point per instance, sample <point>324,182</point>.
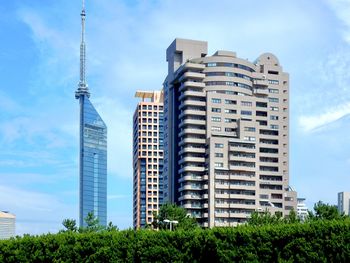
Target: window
<point>261,104</point>
<point>219,145</point>
<point>219,165</point>
<point>274,117</point>
<point>230,111</point>
<point>274,108</point>
<point>261,113</point>
<point>273,81</point>
<point>212,64</point>
<point>249,129</point>
<point>228,120</point>
<point>215,110</point>
<point>249,138</point>
<point>230,102</point>
<point>273,91</point>
<point>229,130</point>
<point>215,100</point>
<point>246,112</point>
<point>216,119</point>
<point>273,100</point>
<point>274,127</point>
<point>219,155</point>
<point>215,128</point>
<point>246,103</point>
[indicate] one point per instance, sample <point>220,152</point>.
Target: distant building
<point>147,157</point>
<point>302,210</point>
<point>226,134</point>
<point>7,225</point>
<point>344,202</point>
<point>92,150</point>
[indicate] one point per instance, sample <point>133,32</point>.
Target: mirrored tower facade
<point>93,163</point>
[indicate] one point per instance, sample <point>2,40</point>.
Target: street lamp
<point>171,222</point>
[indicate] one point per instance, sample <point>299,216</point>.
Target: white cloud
<point>313,122</point>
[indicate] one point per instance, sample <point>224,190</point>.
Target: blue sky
<point>126,43</point>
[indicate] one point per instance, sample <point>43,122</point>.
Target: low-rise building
<point>7,225</point>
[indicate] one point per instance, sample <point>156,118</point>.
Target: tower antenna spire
<point>82,87</point>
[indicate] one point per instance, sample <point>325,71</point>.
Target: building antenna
<point>82,87</point>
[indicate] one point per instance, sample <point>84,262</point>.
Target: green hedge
<point>319,241</point>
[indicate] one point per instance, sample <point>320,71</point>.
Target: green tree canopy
<point>92,225</point>
<point>173,212</point>
<point>325,211</point>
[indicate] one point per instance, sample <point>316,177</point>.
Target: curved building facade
<point>226,134</point>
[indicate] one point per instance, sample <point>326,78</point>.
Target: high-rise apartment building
<point>226,123</point>
<point>92,149</point>
<point>344,202</point>
<point>7,225</point>
<point>147,157</point>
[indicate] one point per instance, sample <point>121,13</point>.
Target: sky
<point>126,43</point>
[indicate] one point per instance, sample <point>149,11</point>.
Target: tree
<point>292,217</point>
<point>110,227</point>
<point>70,225</point>
<point>173,212</point>
<point>325,211</point>
<point>264,218</point>
<point>92,225</point>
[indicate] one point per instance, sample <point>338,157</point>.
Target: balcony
<point>241,158</point>
<point>191,169</point>
<point>242,168</point>
<point>192,150</point>
<point>193,187</point>
<point>191,93</point>
<point>192,140</point>
<point>243,206</point>
<point>193,66</point>
<point>190,159</point>
<point>190,102</point>
<point>192,131</point>
<point>192,84</point>
<point>192,75</point>
<point>189,197</point>
<point>187,178</point>
<point>191,121</point>
<point>242,186</point>
<point>241,149</point>
<point>192,112</point>
<point>261,82</point>
<point>222,186</point>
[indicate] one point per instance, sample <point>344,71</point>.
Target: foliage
<point>313,241</point>
<point>266,218</point>
<point>92,225</point>
<point>70,225</point>
<point>325,211</point>
<point>173,212</point>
